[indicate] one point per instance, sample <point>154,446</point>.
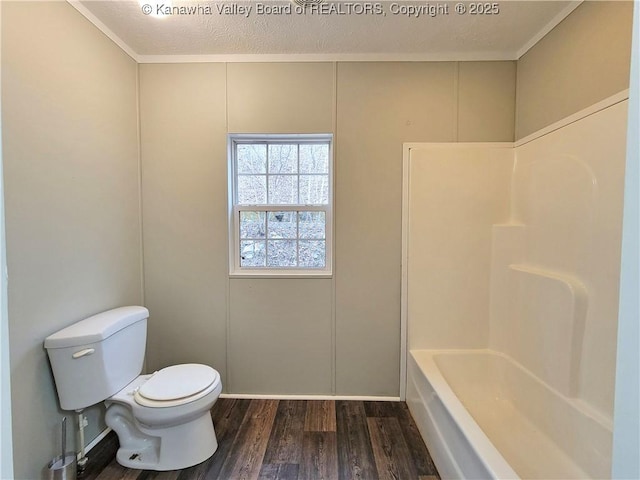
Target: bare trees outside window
<point>281,203</point>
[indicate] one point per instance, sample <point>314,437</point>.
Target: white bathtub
<point>483,416</point>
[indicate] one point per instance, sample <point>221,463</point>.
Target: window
<point>280,204</point>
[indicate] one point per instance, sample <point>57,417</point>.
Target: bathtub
<point>483,416</point>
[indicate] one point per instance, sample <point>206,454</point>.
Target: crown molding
<point>103,28</point>
<point>325,57</point>
<point>553,23</point>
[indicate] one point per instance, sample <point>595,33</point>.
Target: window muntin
<point>281,204</point>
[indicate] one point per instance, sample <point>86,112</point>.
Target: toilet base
<point>161,449</point>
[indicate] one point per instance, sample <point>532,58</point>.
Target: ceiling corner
<point>104,29</point>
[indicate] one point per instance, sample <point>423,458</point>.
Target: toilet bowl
<point>162,420</point>
<point>156,415</point>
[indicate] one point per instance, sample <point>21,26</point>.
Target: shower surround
<point>512,261</point>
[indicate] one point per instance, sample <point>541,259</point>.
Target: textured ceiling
<point>340,28</point>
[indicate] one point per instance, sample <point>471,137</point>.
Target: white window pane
<point>314,158</point>
<point>252,253</point>
<point>252,224</point>
<point>282,225</point>
<point>311,224</point>
<point>283,159</point>
<point>283,189</point>
<point>252,189</point>
<point>281,253</point>
<point>252,158</point>
<point>314,189</point>
<point>281,193</point>
<point>312,253</point>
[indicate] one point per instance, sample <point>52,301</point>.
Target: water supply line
<point>82,422</point>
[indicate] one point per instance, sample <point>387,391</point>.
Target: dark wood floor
<point>296,440</point>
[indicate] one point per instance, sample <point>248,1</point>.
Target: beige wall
<point>280,97</point>
<point>280,330</point>
<point>311,336</point>
<point>280,336</point>
<point>71,173</point>
<point>71,197</point>
<point>380,106</point>
<point>183,127</point>
<point>580,62</point>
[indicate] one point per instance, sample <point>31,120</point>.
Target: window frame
<point>235,269</point>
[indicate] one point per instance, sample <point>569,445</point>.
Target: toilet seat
<point>177,385</point>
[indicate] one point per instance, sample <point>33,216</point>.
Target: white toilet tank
<point>96,357</point>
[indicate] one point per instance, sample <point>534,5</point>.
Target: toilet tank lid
<point>96,328</point>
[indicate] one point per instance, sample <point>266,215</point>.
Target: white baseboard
<point>254,396</point>
<point>96,440</point>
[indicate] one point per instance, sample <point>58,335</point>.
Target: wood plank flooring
<point>295,440</point>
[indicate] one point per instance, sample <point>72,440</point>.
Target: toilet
<point>162,420</point>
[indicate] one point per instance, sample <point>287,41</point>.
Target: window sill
<point>305,274</point>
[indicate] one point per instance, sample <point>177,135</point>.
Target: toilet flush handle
<point>83,353</point>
